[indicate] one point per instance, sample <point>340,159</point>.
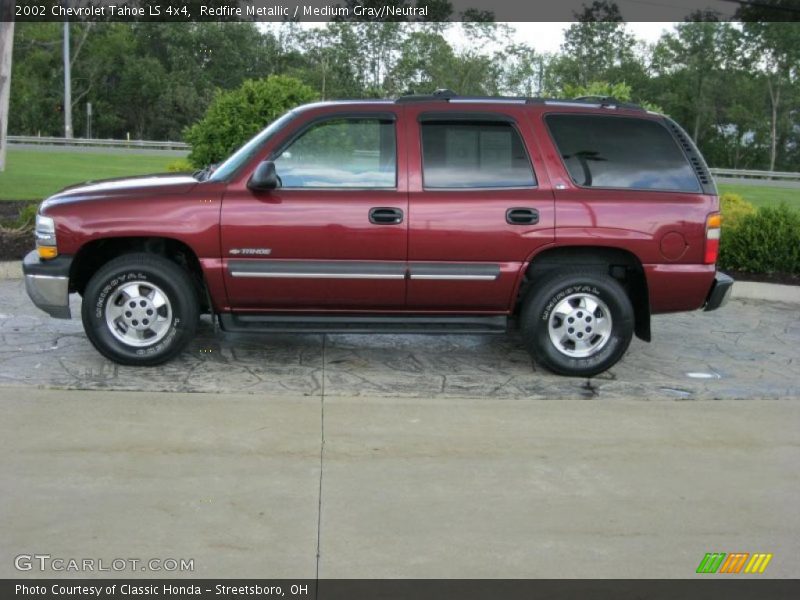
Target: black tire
<point>551,290</point>
<point>182,303</point>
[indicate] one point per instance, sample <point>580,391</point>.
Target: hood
<point>166,183</point>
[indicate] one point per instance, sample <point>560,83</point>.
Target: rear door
<point>478,206</point>
<point>333,236</point>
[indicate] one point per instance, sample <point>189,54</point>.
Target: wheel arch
<point>619,263</point>
<point>94,254</point>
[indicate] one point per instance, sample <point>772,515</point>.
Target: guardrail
<point>752,174</point>
<point>59,141</point>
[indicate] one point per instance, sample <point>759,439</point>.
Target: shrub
<point>181,165</point>
<point>734,210</point>
<point>621,91</point>
<point>237,115</point>
<point>24,221</point>
<point>767,241</point>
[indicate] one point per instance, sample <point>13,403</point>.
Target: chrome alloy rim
<point>580,325</point>
<point>138,313</point>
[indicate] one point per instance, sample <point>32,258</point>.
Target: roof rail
<point>441,95</point>
<point>606,101</point>
<point>444,95</point>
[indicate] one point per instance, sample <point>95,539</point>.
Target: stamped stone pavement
<point>748,349</point>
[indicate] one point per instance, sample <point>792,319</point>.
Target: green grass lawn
<point>34,175</point>
<point>760,196</point>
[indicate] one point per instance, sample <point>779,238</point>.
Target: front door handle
<point>522,216</point>
<point>385,215</point>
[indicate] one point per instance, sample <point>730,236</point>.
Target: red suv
<point>572,220</point>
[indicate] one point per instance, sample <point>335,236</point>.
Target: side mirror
<point>264,178</point>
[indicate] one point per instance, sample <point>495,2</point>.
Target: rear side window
<point>474,154</point>
<point>621,152</point>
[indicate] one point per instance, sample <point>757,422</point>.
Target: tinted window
<point>474,154</point>
<point>621,152</point>
<point>341,153</point>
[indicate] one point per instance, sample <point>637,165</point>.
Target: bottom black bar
<point>710,587</point>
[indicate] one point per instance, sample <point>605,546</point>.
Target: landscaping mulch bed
<point>782,278</point>
<point>14,246</point>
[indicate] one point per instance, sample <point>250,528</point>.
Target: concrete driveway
<point>747,349</point>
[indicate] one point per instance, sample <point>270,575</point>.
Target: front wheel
<point>140,309</point>
<point>577,323</point>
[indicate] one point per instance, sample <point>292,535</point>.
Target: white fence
<point>750,174</point>
<point>34,140</point>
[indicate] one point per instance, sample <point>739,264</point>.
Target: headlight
<point>46,237</point>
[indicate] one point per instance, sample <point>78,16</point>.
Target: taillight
<point>713,225</point>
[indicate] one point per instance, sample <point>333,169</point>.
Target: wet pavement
<point>748,349</point>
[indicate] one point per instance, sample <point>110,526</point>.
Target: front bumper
<point>47,283</point>
<point>720,291</point>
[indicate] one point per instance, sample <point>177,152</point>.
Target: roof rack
<point>606,101</point>
<point>444,95</point>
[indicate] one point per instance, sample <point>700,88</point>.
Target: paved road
<point>748,349</point>
<point>249,485</point>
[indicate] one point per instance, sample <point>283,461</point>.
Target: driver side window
<point>341,153</point>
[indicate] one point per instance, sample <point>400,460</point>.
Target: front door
<point>333,235</point>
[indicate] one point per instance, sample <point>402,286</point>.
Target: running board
<point>238,322</point>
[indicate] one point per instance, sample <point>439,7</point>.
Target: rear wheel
<point>140,309</point>
<point>578,323</point>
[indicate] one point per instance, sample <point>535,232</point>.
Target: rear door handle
<point>385,215</point>
<point>522,216</point>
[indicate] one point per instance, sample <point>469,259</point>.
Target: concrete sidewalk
<point>257,485</point>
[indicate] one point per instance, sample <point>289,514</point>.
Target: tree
<point>428,62</point>
<point>6,47</point>
<point>775,48</point>
<point>594,45</point>
<point>237,115</point>
<point>693,58</point>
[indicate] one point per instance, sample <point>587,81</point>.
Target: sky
<point>547,37</point>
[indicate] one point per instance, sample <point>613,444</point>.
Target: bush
<point>24,222</point>
<point>621,91</point>
<point>181,165</point>
<point>767,241</point>
<point>237,115</point>
<point>734,210</point>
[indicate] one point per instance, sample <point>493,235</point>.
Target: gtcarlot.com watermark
<point>46,562</point>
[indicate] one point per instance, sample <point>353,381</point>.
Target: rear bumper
<point>47,283</point>
<point>720,292</point>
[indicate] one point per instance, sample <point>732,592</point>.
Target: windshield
<point>246,152</point>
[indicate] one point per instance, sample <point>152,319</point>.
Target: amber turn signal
<point>47,251</point>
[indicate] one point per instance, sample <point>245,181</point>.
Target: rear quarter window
<point>621,152</point>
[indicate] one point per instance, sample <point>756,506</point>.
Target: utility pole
<point>6,46</point>
<point>67,85</point>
